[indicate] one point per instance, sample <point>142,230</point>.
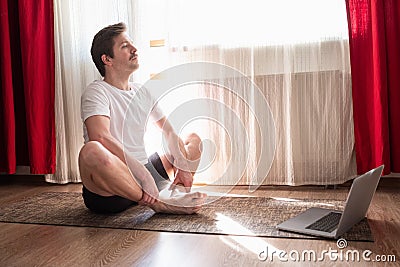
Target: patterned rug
<point>248,216</point>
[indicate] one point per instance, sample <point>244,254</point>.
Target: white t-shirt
<point>126,109</point>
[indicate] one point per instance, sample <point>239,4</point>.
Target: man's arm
<point>98,130</point>
<point>177,150</point>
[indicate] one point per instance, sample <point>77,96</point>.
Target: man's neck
<point>118,82</point>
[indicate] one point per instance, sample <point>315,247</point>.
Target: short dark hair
<point>103,43</point>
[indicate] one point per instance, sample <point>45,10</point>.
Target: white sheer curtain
<point>296,52</point>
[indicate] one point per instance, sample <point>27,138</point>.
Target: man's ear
<point>106,59</point>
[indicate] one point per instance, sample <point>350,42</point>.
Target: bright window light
<point>226,22</point>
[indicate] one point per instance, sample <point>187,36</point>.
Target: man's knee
<point>93,153</point>
<point>192,138</point>
<point>193,146</point>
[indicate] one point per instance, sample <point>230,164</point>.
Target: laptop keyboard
<point>328,223</point>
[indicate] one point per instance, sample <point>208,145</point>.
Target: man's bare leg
<point>193,148</point>
<point>105,174</point>
<point>178,196</point>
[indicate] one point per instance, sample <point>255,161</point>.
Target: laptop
<point>332,223</point>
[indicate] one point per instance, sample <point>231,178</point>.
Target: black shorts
<point>114,204</point>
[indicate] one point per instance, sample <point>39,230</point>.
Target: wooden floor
<point>41,245</point>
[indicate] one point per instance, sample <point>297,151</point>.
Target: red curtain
<point>27,128</point>
<point>374,31</point>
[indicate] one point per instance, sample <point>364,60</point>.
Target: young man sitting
<point>114,179</point>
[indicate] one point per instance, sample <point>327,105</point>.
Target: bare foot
<point>182,204</point>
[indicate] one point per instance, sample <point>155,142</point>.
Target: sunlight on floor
<point>298,200</point>
<point>286,199</point>
<point>248,241</point>
<point>165,251</point>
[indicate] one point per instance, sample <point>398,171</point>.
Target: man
<point>114,180</point>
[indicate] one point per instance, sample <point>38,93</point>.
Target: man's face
<point>125,58</point>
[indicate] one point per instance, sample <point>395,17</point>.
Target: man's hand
<point>150,193</point>
<point>184,178</point>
